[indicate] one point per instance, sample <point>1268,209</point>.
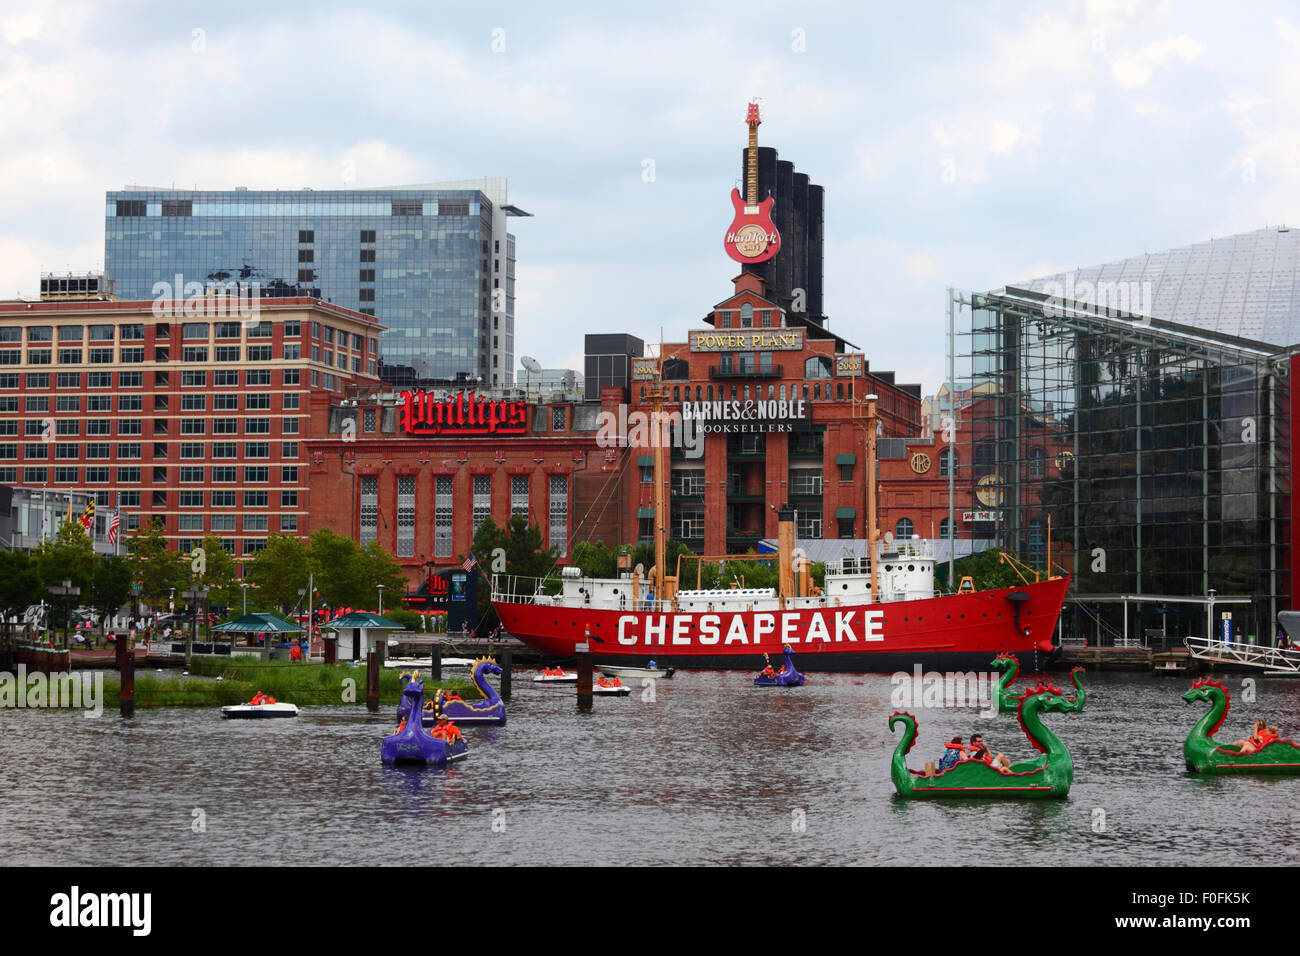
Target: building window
<point>406,515</point>
<point>442,516</point>
<point>256,499</point>
<point>947,462</point>
<point>482,499</point>
<point>904,530</point>
<point>808,525</point>
<point>257,473</point>
<point>1037,463</point>
<point>559,513</point>
<point>557,418</point>
<point>367,420</point>
<point>844,527</point>
<point>519,495</point>
<point>369,509</point>
<point>746,316</point>
<point>818,366</point>
<point>226,353</point>
<point>945,527</point>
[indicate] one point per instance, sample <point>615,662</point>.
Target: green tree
<point>219,574</point>
<point>986,569</point>
<point>595,559</point>
<point>110,588</point>
<point>68,556</point>
<point>279,571</point>
<point>154,565</point>
<point>20,586</point>
<point>379,567</point>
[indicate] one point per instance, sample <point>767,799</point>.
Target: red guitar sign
<point>752,236</point>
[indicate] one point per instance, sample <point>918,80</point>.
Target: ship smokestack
<point>785,551</point>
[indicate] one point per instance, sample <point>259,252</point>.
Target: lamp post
<point>381,599</point>
<point>244,585</point>
<point>197,595</point>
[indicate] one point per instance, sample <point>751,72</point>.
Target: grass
<point>287,681</point>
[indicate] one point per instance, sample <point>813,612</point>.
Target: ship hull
<point>954,632</point>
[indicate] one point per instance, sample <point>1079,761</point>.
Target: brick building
<point>187,411</point>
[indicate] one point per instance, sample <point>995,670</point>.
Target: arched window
<point>839,391</point>
<point>677,393</point>
<point>746,316</point>
<point>643,393</point>
<point>771,392</point>
<point>805,392</point>
<point>710,393</point>
<point>699,394</point>
<point>676,369</point>
<point>819,366</point>
<point>747,398</point>
<point>947,460</point>
<point>904,530</point>
<point>817,391</point>
<point>733,393</point>
<point>783,393</point>
<point>945,527</point>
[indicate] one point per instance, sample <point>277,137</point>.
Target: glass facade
<point>1156,455</point>
<point>435,266</point>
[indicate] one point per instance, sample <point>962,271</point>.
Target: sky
<point>959,144</point>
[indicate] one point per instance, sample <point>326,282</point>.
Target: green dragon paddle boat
<point>1206,755</point>
<point>1042,778</point>
<point>1009,665</point>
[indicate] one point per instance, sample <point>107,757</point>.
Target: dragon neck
<point>481,682</point>
<point>903,779</point>
<point>1031,723</point>
<point>1010,667</point>
<point>1213,718</point>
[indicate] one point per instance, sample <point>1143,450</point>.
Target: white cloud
<point>921,266</point>
<point>23,27</point>
<point>1136,69</point>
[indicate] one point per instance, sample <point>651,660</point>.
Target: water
<point>711,772</point>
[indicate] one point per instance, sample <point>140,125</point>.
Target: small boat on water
<point>649,670</point>
<point>555,676</point>
<point>422,663</point>
<point>412,744</point>
<point>786,677</point>
<point>610,687</point>
<point>1204,754</point>
<point>259,707</point>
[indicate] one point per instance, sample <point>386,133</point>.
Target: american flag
<point>469,563</point>
<point>114,523</point>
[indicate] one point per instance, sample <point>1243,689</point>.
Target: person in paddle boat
<point>1263,735</point>
<point>651,665</point>
<point>953,752</point>
<point>980,751</point>
<point>446,730</point>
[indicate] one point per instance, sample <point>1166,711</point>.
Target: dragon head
<point>414,689</point>
<point>1034,700</point>
<point>1200,690</point>
<point>486,665</point>
<point>405,676</point>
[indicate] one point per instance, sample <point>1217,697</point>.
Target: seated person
<point>445,730</point>
<point>1253,743</point>
<point>954,751</point>
<point>980,751</point>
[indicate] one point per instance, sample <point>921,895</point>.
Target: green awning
<point>256,623</point>
<point>645,512</point>
<point>849,459</point>
<point>645,461</point>
<point>364,619</point>
<point>846,512</point>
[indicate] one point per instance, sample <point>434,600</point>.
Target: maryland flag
<point>88,517</point>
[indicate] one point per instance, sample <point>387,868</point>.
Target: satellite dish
<point>530,363</point>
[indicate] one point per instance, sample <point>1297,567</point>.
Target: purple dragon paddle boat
<point>786,677</point>
<point>490,710</point>
<point>412,743</point>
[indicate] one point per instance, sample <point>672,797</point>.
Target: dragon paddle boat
<point>1045,777</point>
<point>260,707</point>
<point>412,744</point>
<point>1204,754</point>
<point>786,677</point>
<point>1008,700</point>
<point>490,710</point>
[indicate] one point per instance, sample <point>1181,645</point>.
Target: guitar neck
<point>751,185</point>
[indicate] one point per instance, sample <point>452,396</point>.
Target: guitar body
<point>752,236</point>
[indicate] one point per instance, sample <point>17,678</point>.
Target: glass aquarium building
<point>434,263</point>
<point>1136,418</point>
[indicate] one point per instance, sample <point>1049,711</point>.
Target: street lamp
<point>244,585</point>
<point>198,595</point>
<point>381,599</point>
<point>68,592</point>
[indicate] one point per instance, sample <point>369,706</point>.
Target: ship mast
<point>660,475</point>
<point>870,419</point>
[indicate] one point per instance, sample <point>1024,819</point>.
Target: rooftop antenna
<point>532,365</point>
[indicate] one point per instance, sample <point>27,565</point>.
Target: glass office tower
<point>1144,408</point>
<point>434,263</point>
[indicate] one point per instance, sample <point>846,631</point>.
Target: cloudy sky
<point>959,144</point>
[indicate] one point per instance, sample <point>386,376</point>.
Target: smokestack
<point>785,552</point>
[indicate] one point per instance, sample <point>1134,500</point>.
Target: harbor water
<point>711,770</point>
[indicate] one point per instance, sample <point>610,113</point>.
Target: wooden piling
<point>372,681</point>
<point>585,674</point>
<point>126,707</point>
<point>435,662</point>
<point>331,650</point>
<point>506,660</point>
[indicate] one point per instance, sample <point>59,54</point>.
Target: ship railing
<point>520,589</point>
